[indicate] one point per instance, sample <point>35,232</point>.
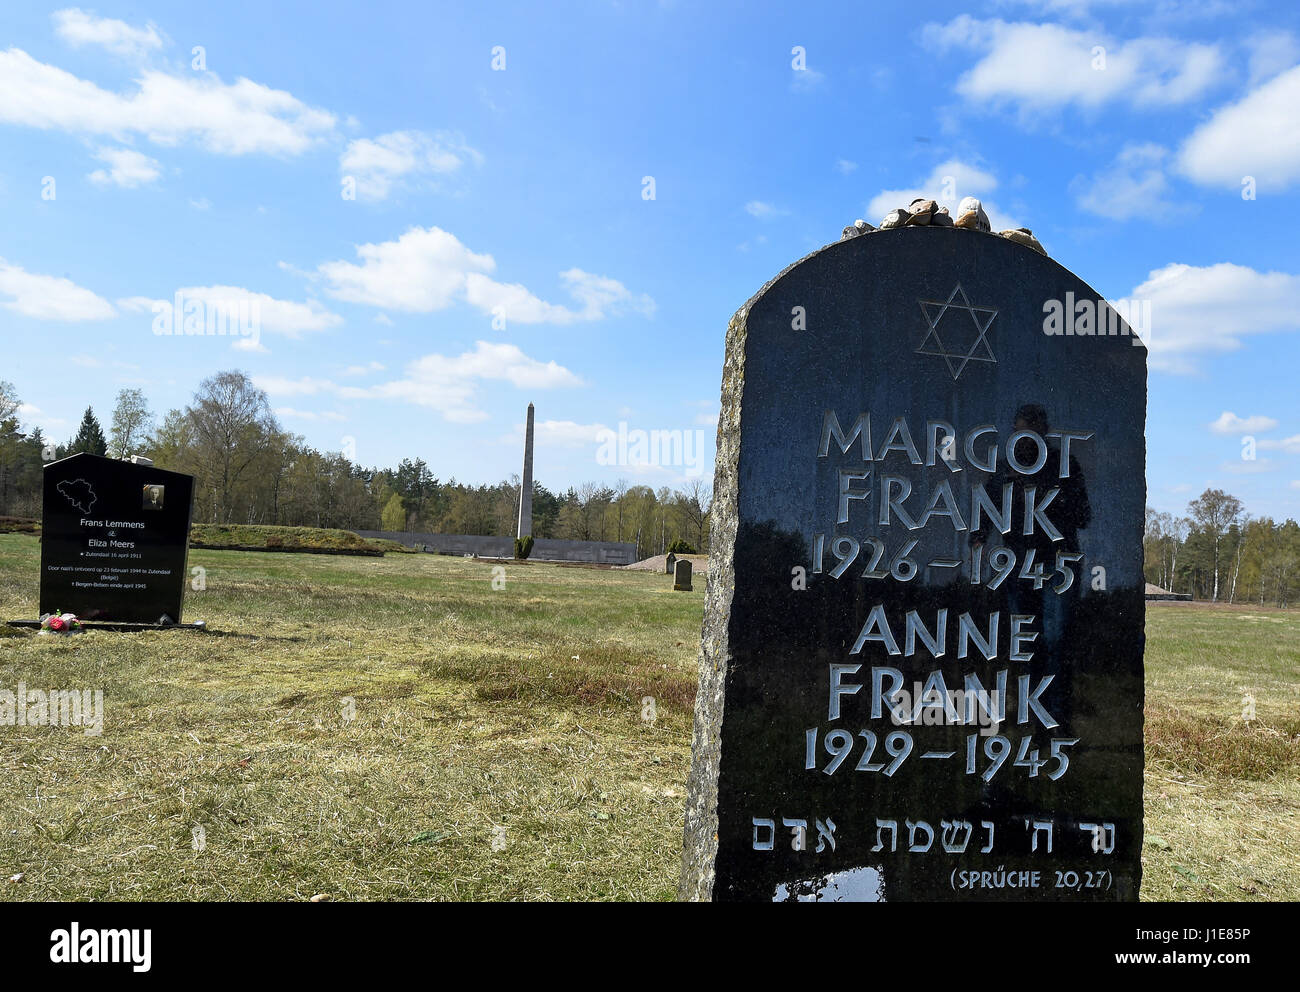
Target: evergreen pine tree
<point>90,436</point>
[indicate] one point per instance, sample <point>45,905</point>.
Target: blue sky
<point>518,193</point>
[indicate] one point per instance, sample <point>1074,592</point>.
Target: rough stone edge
<point>700,831</point>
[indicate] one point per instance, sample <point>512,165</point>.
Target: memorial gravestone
<point>114,538</point>
<point>921,665</point>
<point>682,576</point>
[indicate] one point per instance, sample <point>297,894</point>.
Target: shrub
<point>523,546</point>
<point>275,541</point>
<point>680,547</point>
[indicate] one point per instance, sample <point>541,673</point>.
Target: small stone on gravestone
<point>114,538</point>
<point>971,215</point>
<point>1024,236</point>
<point>895,218</point>
<point>921,211</point>
<point>921,671</point>
<point>682,575</point>
<point>856,229</point>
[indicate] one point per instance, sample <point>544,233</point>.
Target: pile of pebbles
<point>928,213</point>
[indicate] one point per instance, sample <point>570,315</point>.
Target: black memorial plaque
<point>114,538</point>
<point>921,671</point>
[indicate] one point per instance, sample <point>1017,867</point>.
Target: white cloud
<point>77,28</point>
<point>34,416</point>
<point>1229,423</point>
<point>845,166</point>
<point>1043,66</point>
<point>276,385</point>
<point>1244,467</point>
<point>423,270</point>
<point>1256,136</point>
<point>1290,445</point>
<point>126,167</point>
<point>601,296</point>
<point>289,413</point>
<point>444,383</point>
<point>494,361</point>
<point>963,179</point>
<point>430,269</point>
<point>563,433</point>
<point>1271,51</point>
<point>1134,185</point>
<point>95,362</point>
<point>379,164</point>
<point>237,118</point>
<point>364,369</point>
<point>513,301</point>
<point>1154,9</point>
<point>287,317</point>
<point>762,210</point>
<point>49,297</point>
<point>1200,309</point>
<point>806,80</point>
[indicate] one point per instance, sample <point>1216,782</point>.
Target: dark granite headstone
<point>114,538</point>
<point>682,575</point>
<point>921,668</point>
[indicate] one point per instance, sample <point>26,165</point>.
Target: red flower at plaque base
<point>55,623</point>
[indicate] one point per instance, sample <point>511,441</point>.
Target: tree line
<point>1220,553</point>
<point>250,470</point>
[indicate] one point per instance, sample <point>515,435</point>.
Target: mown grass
<point>471,720</point>
<point>396,728</point>
<point>249,536</point>
<point>1222,792</point>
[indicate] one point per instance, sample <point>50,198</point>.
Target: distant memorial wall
<point>544,548</point>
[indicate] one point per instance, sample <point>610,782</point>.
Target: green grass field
<point>251,536</point>
<point>396,728</point>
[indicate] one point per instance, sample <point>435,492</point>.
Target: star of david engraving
<point>954,352</point>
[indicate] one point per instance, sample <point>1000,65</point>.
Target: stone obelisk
<point>526,486</point>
